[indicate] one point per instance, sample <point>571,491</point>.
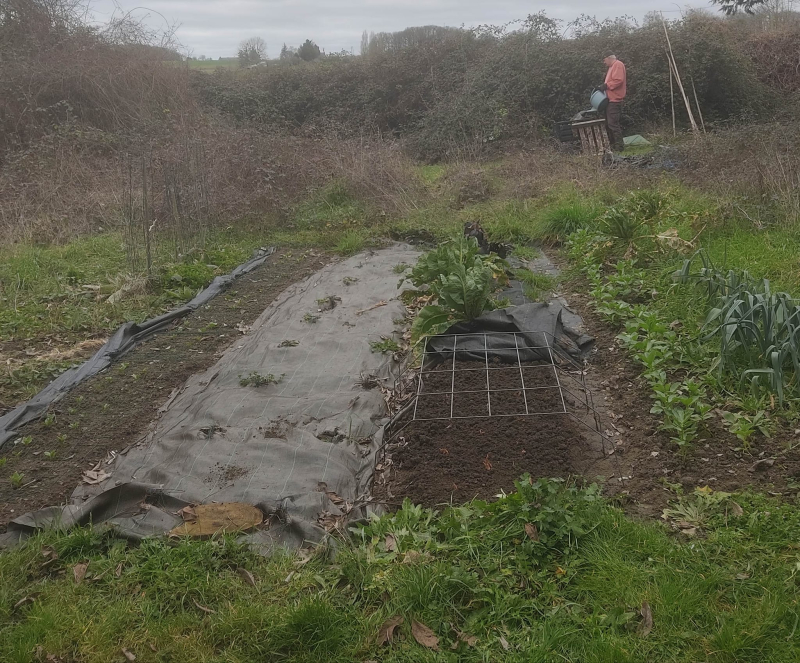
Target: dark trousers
<point>613,117</point>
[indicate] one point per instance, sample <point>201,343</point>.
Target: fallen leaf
<point>471,640</point>
<point>647,620</point>
<point>128,654</point>
<point>152,647</point>
<point>742,576</point>
<point>304,556</point>
<point>736,510</point>
<point>391,544</point>
<point>424,636</point>
<point>204,609</point>
<point>411,556</point>
<point>487,463</point>
<point>246,576</point>
<point>531,531</point>
<point>560,572</point>
<point>118,570</point>
<point>504,643</point>
<point>79,571</point>
<point>188,514</point>
<point>22,602</point>
<point>93,477</point>
<point>386,632</point>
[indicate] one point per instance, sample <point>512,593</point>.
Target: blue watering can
<point>599,101</point>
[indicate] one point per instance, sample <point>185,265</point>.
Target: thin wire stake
<point>521,376</point>
<point>453,377</point>
<point>558,381</point>
<point>488,384</point>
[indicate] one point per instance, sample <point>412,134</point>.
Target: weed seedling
<point>402,267</point>
<point>50,455</point>
<point>16,480</point>
<point>349,280</point>
<point>123,366</point>
<point>74,425</point>
<point>3,461</point>
<point>25,441</point>
<point>288,343</point>
<point>310,319</point>
<point>257,380</point>
<point>62,437</point>
<point>384,346</point>
<point>49,420</point>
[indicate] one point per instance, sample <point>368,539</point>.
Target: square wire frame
<point>492,374</point>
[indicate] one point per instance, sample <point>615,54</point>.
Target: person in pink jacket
<point>616,87</point>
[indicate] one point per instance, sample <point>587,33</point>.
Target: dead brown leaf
<point>79,572</point>
<point>188,514</point>
<point>531,531</point>
<point>246,576</point>
<point>736,510</point>
<point>411,556</point>
<point>487,463</point>
<point>204,609</point>
<point>118,570</point>
<point>646,624</point>
<point>128,655</point>
<point>424,636</point>
<point>386,632</point>
<point>391,543</point>
<point>504,643</point>
<point>25,601</point>
<point>471,640</point>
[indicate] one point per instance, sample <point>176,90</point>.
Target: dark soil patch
<point>113,410</point>
<point>461,459</point>
<point>457,459</point>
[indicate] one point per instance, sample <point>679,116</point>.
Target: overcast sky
<point>215,27</point>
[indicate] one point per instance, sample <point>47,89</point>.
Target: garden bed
<point>475,427</point>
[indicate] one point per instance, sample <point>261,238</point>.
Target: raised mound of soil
<point>459,459</point>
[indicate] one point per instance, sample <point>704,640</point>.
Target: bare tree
<point>252,51</point>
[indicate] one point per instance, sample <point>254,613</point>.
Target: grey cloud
<point>215,27</point>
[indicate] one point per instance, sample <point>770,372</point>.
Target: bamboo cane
<point>692,121</point>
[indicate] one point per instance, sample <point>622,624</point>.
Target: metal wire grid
<point>569,395</point>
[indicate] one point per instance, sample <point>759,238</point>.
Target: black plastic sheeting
<point>506,334</point>
<point>123,340</point>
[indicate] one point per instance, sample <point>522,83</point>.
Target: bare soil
<point>113,410</point>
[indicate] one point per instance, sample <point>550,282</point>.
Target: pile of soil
<point>113,410</point>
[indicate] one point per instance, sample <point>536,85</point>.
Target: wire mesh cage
<point>492,375</point>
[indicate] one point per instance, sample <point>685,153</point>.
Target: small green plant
<point>105,407</point>
<point>50,419</point>
<point>74,425</point>
<point>385,345</point>
<point>350,243</point>
<point>525,252</point>
<point>743,426</point>
<point>79,399</point>
<point>349,280</point>
<point>535,284</point>
<point>50,455</point>
<point>288,343</point>
<point>400,268</point>
<point>123,366</point>
<point>3,461</point>
<point>310,318</point>
<point>61,437</point>
<point>16,480</point>
<point>26,440</point>
<point>257,380</point>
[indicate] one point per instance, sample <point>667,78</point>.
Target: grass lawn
<point>550,573</point>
